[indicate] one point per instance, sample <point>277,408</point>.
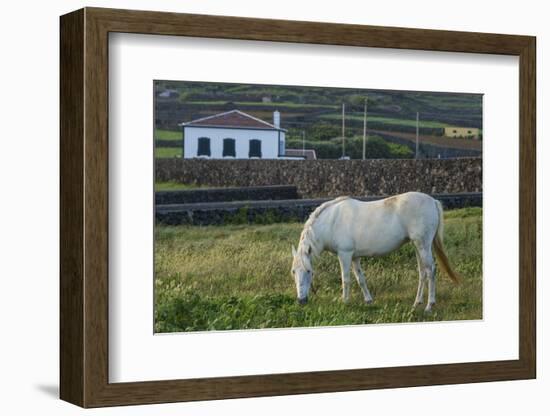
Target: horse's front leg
<point>361,280</point>
<point>345,264</point>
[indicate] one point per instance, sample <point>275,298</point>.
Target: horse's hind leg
<point>420,290</point>
<point>426,274</point>
<point>361,280</point>
<point>431,284</point>
<point>345,263</point>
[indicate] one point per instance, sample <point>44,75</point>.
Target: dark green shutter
<point>255,149</point>
<point>204,146</point>
<point>229,148</point>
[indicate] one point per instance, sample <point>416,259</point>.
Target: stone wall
<point>272,211</point>
<point>252,193</point>
<point>330,178</point>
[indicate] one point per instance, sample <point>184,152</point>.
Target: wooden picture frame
<point>84,207</point>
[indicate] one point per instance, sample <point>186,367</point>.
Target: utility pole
<point>416,153</point>
<point>343,130</point>
<point>365,131</point>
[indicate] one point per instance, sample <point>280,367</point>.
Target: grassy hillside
<point>389,121</point>
<point>301,106</point>
<point>315,113</point>
<point>238,277</point>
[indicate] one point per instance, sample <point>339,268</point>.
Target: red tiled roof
<point>233,118</point>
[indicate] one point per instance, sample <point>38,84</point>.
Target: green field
<point>167,152</point>
<point>286,104</point>
<point>168,135</point>
<point>175,186</point>
<point>238,277</point>
<point>387,120</point>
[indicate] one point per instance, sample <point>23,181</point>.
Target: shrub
<point>376,148</point>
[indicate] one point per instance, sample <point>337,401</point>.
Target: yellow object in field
<point>463,132</point>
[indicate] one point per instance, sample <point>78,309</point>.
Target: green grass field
<point>238,277</point>
<point>387,120</point>
<point>175,186</point>
<point>168,135</point>
<point>270,105</point>
<point>167,152</point>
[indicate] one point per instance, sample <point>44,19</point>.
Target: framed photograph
<point>254,207</point>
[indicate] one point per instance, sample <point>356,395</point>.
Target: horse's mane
<point>308,243</point>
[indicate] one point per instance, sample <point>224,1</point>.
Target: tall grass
<point>238,277</point>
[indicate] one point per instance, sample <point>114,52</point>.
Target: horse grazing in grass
<point>353,229</point>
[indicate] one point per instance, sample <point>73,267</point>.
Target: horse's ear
<point>293,252</point>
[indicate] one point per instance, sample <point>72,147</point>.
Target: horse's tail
<point>440,254</point>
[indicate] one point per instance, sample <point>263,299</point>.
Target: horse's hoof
<point>369,301</point>
<point>428,309</point>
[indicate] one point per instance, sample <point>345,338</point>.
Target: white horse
<point>353,229</point>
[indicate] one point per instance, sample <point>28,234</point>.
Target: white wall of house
<point>269,139</point>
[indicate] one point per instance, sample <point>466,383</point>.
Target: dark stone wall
<point>331,178</point>
<point>169,143</point>
<point>260,212</point>
<point>253,193</point>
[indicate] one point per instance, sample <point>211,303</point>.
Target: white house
<point>234,134</point>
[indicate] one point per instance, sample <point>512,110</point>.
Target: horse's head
<point>302,273</point>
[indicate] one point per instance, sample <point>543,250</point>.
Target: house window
<point>454,131</point>
<point>255,149</point>
<point>228,148</point>
<point>204,147</point>
<point>469,131</point>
